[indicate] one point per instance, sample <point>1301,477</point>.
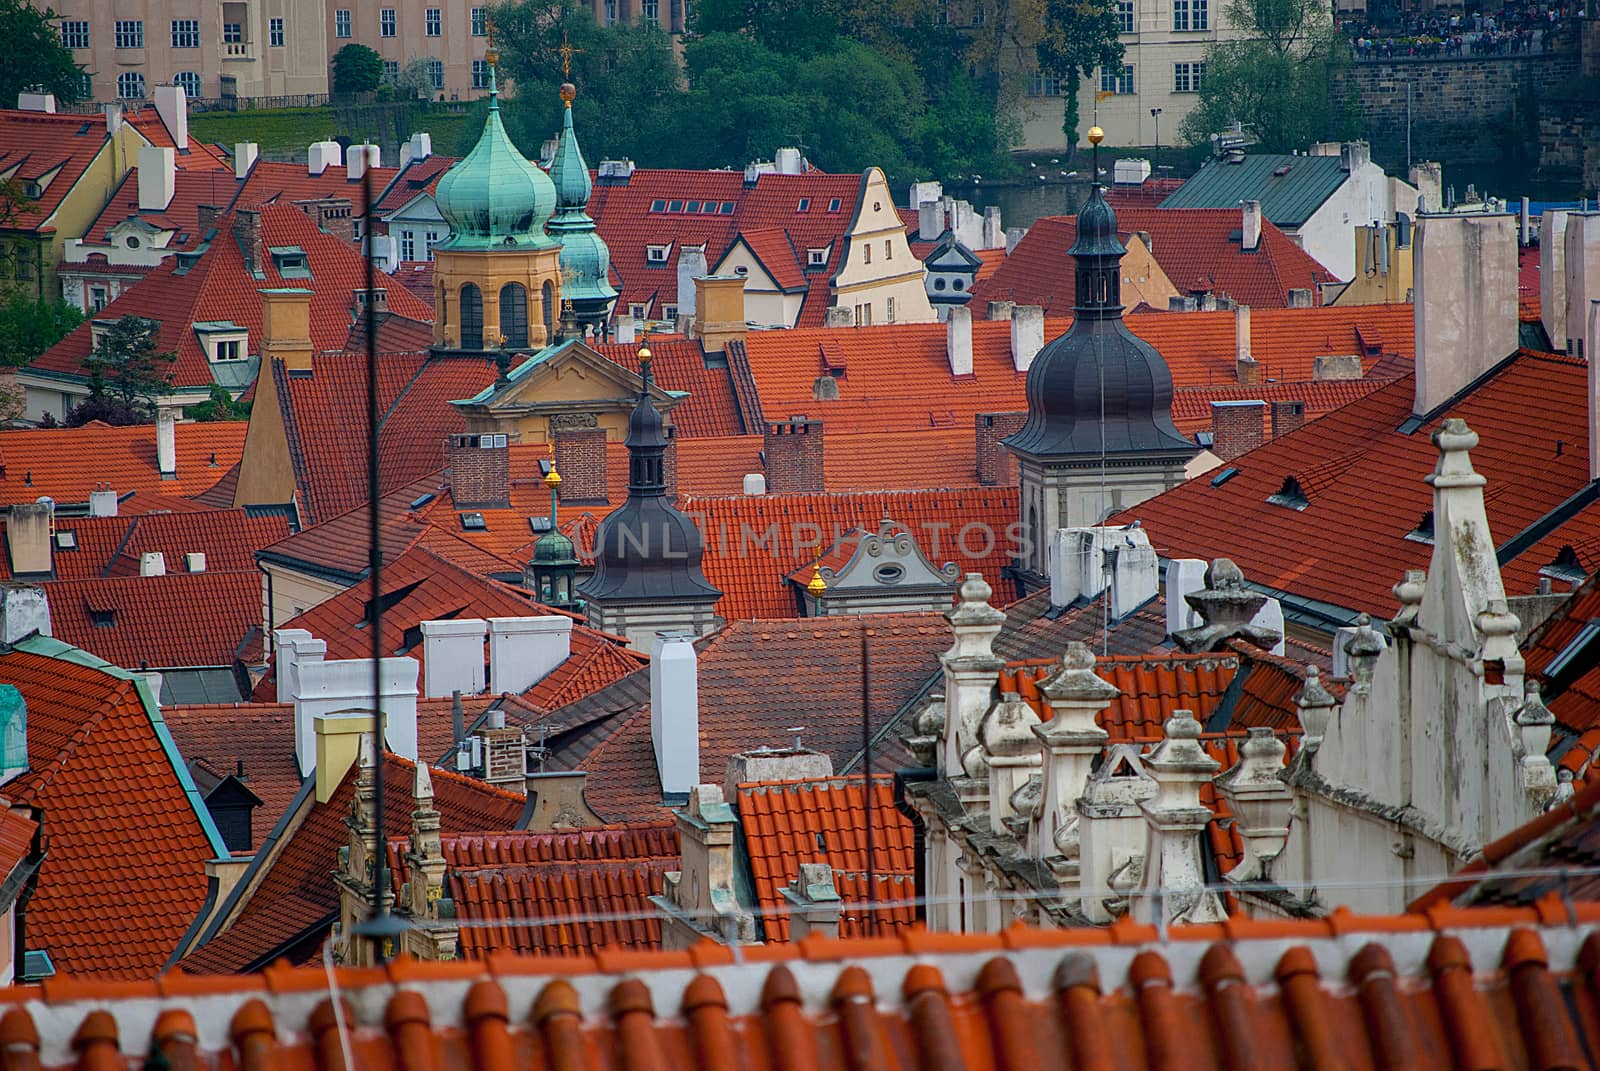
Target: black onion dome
<point>1098,388</point>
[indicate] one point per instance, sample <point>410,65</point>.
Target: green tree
<point>35,55</point>
<point>1274,82</point>
<point>127,369</point>
<point>1076,37</point>
<point>356,69</point>
<point>28,328</point>
<point>220,406</point>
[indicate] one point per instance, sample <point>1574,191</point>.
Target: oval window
<point>938,284</point>
<point>888,573</point>
<point>133,242</point>
<point>959,284</point>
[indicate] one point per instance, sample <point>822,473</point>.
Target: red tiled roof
<point>17,831</point>
<point>255,737</point>
<point>771,247</point>
<point>181,620</point>
<point>271,182</point>
<point>1152,687</point>
<point>125,871</point>
<point>195,156</point>
<point>1484,987</point>
<point>1191,406</point>
<point>68,463</point>
<point>191,189</point>
<point>1197,248</point>
<point>787,823</point>
<point>897,376</point>
<point>711,408</point>
<point>112,546</point>
<point>294,901</point>
<point>1371,491</point>
<point>1528,284</point>
<point>33,145</point>
<point>417,177</point>
<point>217,288</point>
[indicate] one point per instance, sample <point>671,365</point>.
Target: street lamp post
<point>1155,113</point>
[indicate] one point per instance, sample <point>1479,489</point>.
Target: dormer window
<point>804,205</point>
<point>669,312</point>
<point>1423,532</point>
<point>816,258</point>
<point>833,205</point>
<point>290,262</point>
<point>225,343</point>
<point>656,254</point>
<point>227,350</point>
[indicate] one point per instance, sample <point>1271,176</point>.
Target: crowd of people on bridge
<point>1449,34</point>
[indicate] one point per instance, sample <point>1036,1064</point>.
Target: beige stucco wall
<point>764,303</point>
<point>455,47</point>
<point>293,593</point>
<point>878,263</point>
<point>491,270</point>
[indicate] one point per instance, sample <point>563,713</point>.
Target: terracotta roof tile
<point>787,823</point>
<point>258,736</point>
<point>37,145</point>
<point>274,182</point>
<point>68,463</point>
<point>416,178</point>
<point>1152,687</point>
<point>195,156</point>
<point>104,778</point>
<point>711,408</point>
<point>191,189</point>
<point>112,546</point>
<point>161,622</point>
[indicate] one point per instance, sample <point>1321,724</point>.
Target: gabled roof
<point>288,896</point>
<point>413,180</point>
<point>112,546</point>
<point>124,875</point>
<point>218,288</point>
<point>1446,988</point>
<point>191,189</point>
<point>1193,246</point>
<point>770,246</point>
<point>788,823</point>
<point>39,145</point>
<point>68,463</point>
<point>177,621</point>
<point>272,182</point>
<point>1348,546</point>
<point>195,156</point>
<point>1290,188</point>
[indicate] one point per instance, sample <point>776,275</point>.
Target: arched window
<point>130,85</point>
<point>471,317</point>
<point>190,83</point>
<point>514,315</point>
<point>548,296</point>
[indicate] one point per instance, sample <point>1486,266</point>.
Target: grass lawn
<point>284,133</point>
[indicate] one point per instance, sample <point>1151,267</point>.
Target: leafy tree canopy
<point>220,406</point>
<point>356,69</point>
<point>126,367</point>
<point>28,328</point>
<point>34,54</point>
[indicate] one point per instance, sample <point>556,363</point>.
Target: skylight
<point>473,522</point>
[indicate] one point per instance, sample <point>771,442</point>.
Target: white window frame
<point>185,33</point>
<point>190,81</point>
<point>433,22</point>
<point>1125,17</point>
<point>669,312</point>
<point>816,258</point>
<point>480,74</point>
<point>75,33</point>
<point>436,73</point>
<point>275,33</point>
<point>657,254</point>
<point>1119,82</point>
<point>341,23</point>
<point>650,12</point>
<point>130,33</point>
<point>130,85</point>
<point>408,244</point>
<point>233,33</point>
<point>638,310</point>
<point>1044,85</point>
<point>480,22</point>
<point>388,22</point>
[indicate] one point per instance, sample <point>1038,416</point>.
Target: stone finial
<point>1227,609</point>
<point>422,787</point>
<point>1007,730</point>
<point>1564,789</point>
<point>1028,800</point>
<point>975,763</point>
<point>1533,722</point>
<point>1498,626</point>
<point>970,671</point>
<point>926,726</point>
<point>1315,704</point>
<point>1173,887</point>
<point>974,621</point>
<point>1076,679</point>
<point>1260,801</point>
<point>1455,442</point>
<point>1363,649</point>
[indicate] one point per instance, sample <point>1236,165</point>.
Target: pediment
<point>565,374</point>
<point>883,562</point>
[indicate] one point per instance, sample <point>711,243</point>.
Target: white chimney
<point>1581,267</point>
<point>1270,616</point>
<point>789,161</point>
<point>153,563</point>
<point>419,147</point>
<point>167,442</point>
<point>195,561</point>
<point>452,656</point>
<point>323,155</point>
<point>345,686</point>
<point>1185,576</point>
<point>627,330</point>
<point>113,119</point>
<point>1027,335</point>
<point>1465,302</point>
<point>24,609</point>
<point>172,104</point>
<point>1014,236</point>
<point>102,502</point>
<point>923,192</point>
<point>958,340</point>
<point>930,220</point>
<point>994,234</point>
<point>524,650</point>
<point>36,102</point>
<point>1241,333</point>
<point>360,157</point>
<point>292,647</point>
<point>244,158</point>
<point>1085,561</point>
<point>675,711</point>
<point>1001,310</point>
<point>158,168</point>
<point>691,266</point>
<point>1594,385</point>
<point>1250,227</point>
<point>1428,178</point>
<point>755,483</point>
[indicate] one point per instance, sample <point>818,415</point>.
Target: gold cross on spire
<point>566,52</point>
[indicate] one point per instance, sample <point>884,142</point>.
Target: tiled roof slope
<point>1571,687</point>
<point>787,823</point>
<point>274,182</point>
<point>417,177</point>
<point>623,213</point>
<point>124,874</point>
<point>711,408</point>
<point>195,156</point>
<point>35,144</point>
<point>547,894</point>
<point>112,546</point>
<point>897,376</point>
<point>218,288</point>
<point>68,463</point>
<point>255,738</point>
<point>191,189</point>
<point>1348,546</point>
<point>1151,686</point>
<point>293,901</point>
<point>1199,249</point>
<point>181,620</point>
<point>1191,406</point>
<point>1290,188</point>
<point>811,665</point>
<point>1451,988</point>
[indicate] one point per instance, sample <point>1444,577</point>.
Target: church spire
<point>585,258</point>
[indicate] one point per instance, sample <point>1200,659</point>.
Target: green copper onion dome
<point>495,198</point>
<point>585,259</point>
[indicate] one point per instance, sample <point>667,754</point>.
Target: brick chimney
<point>793,453</point>
<point>247,232</point>
<point>480,471</point>
<point>1287,416</point>
<point>1237,427</point>
<point>581,460</point>
<point>997,466</point>
<point>206,217</point>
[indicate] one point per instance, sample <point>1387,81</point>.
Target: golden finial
<point>566,51</point>
<point>1096,135</point>
<point>568,92</point>
<point>552,479</point>
<point>817,585</point>
<point>492,54</point>
<point>644,353</point>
